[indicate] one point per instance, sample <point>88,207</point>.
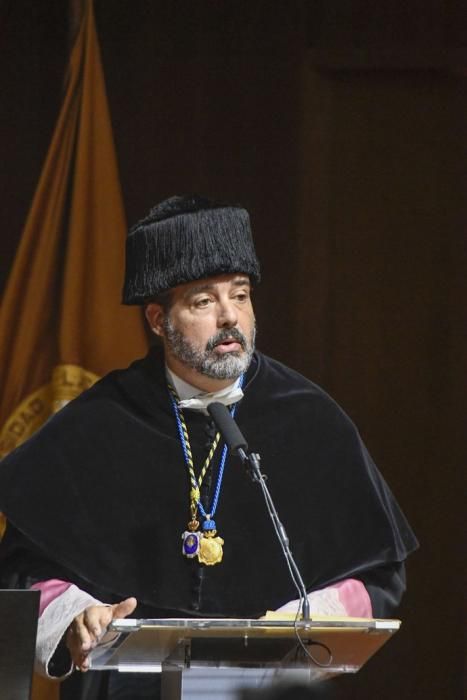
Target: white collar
<point>193,398</point>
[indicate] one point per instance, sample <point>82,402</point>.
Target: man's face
<point>210,327</point>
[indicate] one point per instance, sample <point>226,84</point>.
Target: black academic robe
<point>101,495</point>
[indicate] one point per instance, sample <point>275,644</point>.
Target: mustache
<point>226,334</point>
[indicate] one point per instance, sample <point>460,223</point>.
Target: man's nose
<point>227,316</point>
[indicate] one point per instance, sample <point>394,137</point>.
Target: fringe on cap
<point>184,239</point>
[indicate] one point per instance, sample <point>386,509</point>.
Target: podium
<point>215,658</point>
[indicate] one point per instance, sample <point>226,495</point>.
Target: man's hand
<point>89,628</point>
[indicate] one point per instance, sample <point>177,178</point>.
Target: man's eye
<point>202,302</point>
<point>241,296</point>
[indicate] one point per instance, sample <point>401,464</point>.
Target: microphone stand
<point>251,461</point>
<point>237,443</point>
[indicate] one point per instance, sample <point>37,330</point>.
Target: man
<point>140,504</point>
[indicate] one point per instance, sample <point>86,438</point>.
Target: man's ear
<point>155,317</point>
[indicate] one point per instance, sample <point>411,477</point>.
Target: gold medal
<point>210,549</point>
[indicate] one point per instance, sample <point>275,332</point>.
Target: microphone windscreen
<point>227,426</point>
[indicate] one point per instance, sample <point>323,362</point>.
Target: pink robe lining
<point>352,594</point>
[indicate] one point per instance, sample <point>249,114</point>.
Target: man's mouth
<point>228,345</point>
<point>226,341</point>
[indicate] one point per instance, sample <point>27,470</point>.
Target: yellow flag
<point>61,322</point>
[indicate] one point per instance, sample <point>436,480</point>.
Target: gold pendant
<point>210,550</point>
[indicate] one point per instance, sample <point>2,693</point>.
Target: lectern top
<point>240,625</point>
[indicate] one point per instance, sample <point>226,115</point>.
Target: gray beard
<point>212,364</point>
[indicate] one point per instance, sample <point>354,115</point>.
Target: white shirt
<point>195,399</point>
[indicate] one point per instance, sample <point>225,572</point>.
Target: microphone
<point>228,428</point>
<point>237,443</point>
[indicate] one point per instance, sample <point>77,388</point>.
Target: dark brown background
<point>341,127</point>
